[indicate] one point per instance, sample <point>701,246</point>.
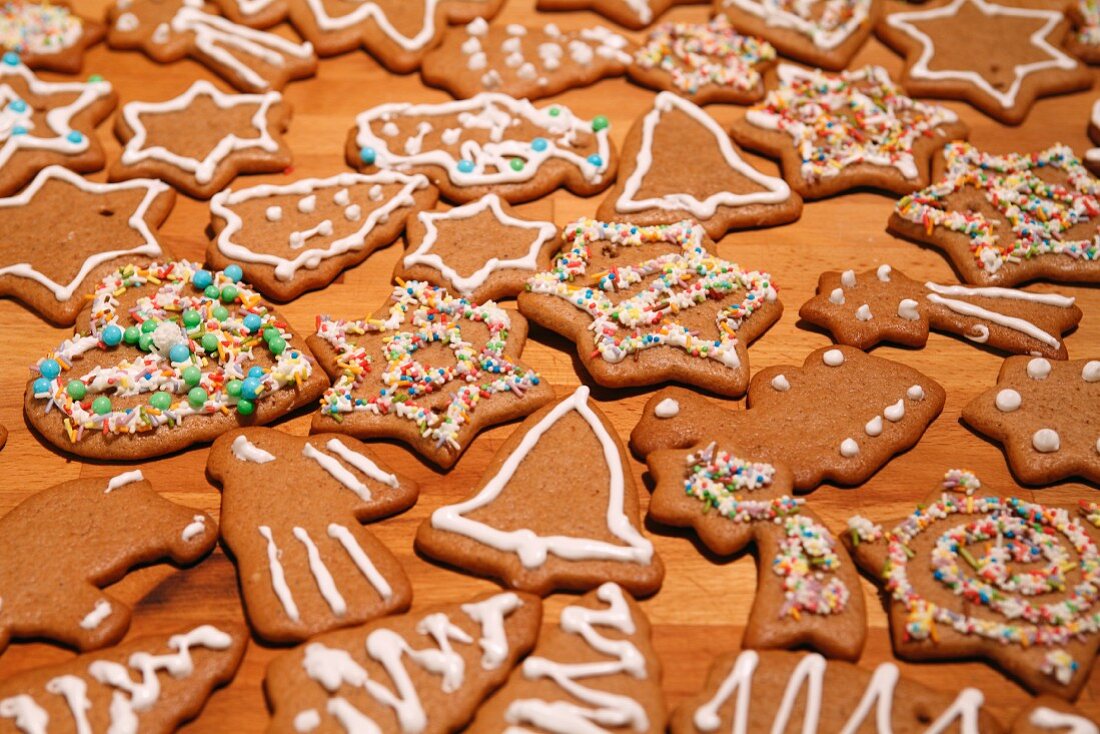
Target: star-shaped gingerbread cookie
<point>882,304</point>
<point>47,34</point>
<point>972,573</point>
<point>876,408</point>
<point>44,123</point>
<point>481,250</point>
<point>1012,55</point>
<point>650,304</point>
<point>634,14</point>
<point>239,133</point>
<point>1046,414</point>
<point>1092,155</point>
<point>1008,219</point>
<point>428,368</point>
<point>857,128</point>
<point>169,30</point>
<point>62,234</point>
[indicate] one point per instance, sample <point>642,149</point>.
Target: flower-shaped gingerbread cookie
<point>47,34</point>
<point>883,304</point>
<point>974,574</point>
<point>1047,416</point>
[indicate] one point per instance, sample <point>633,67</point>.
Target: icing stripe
<point>1009,322</point>
<point>245,450</point>
<point>278,577</point>
<point>1015,294</point>
<point>325,583</point>
<point>123,479</point>
<point>361,462</point>
<point>338,472</point>
<point>361,560</point>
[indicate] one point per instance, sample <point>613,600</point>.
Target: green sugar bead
<point>245,407</point>
<point>148,326</point>
<point>191,318</point>
<point>145,342</point>
<point>101,405</point>
<point>192,375</point>
<point>160,400</point>
<point>130,336</point>
<point>221,313</point>
<point>229,293</point>
<point>196,397</point>
<point>277,345</point>
<point>76,389</point>
<point>211,292</point>
<point>233,388</point>
<point>209,342</point>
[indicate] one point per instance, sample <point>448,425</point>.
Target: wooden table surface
<point>702,608</point>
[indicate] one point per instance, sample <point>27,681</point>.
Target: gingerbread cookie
<point>240,133</point>
<point>167,356</point>
<point>429,369</point>
<point>857,128</point>
<point>1047,416</point>
<point>47,34</point>
<point>547,541</point>
<point>1083,40</point>
<point>678,163</point>
<point>524,61</point>
<point>1047,714</point>
<point>60,546</point>
<point>597,665</point>
<point>1011,55</point>
<point>650,304</point>
<point>705,62</point>
<point>48,123</point>
<point>776,691</point>
<point>882,304</point>
<point>491,143</point>
<point>296,237</point>
<point>425,671</point>
<point>875,409</point>
<point>169,30</point>
<point>808,592</point>
<point>971,574</point>
<point>1008,219</point>
<point>65,234</point>
<point>1092,155</point>
<point>481,251</point>
<point>291,514</point>
<point>635,14</point>
<point>151,684</point>
<point>822,33</point>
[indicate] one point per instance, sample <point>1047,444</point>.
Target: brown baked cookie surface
<point>664,306</point>
<point>239,133</point>
<point>999,58</point>
<point>168,355</point>
<point>635,14</point>
<point>883,304</point>
<point>808,591</point>
<point>1046,414</point>
<point>1008,219</point>
<point>428,368</point>
<point>876,408</point>
<point>424,671</point>
<point>63,234</point>
<point>524,524</point>
<point>597,665</point>
<point>47,34</point>
<point>61,546</point>
<point>678,163</point>
<point>974,574</point>
<point>854,129</point>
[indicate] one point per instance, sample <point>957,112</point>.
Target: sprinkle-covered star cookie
<point>635,14</point>
<point>822,33</point>
<point>875,408</point>
<point>167,356</point>
<point>47,34</point>
<point>63,234</point>
<point>46,123</point>
<point>428,368</point>
<point>650,304</point>
<point>1092,155</point>
<point>525,62</point>
<point>1012,55</point>
<point>169,30</point>
<point>705,62</point>
<point>853,129</point>
<point>1008,219</point>
<point>882,304</point>
<point>491,143</point>
<point>678,163</point>
<point>1083,40</point>
<point>1046,414</point>
<point>972,573</point>
<point>240,133</point>
<point>298,236</point>
<point>481,250</point>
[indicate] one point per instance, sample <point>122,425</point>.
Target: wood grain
<point>701,610</point>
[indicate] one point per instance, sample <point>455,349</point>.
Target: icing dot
<point>907,309</point>
<point>848,278</point>
<point>274,213</point>
<point>307,204</point>
<point>895,412</point>
<point>780,383</point>
<point>849,448</point>
<point>1007,400</point>
<point>915,392</point>
<point>341,197</point>
<point>368,155</point>
<point>667,408</point>
<point>874,426</point>
<point>837,296</point>
<point>883,273</point>
<point>1046,440</point>
<point>863,313</point>
<point>353,212</point>
<point>1091,371</point>
<point>833,358</point>
<point>1038,368</point>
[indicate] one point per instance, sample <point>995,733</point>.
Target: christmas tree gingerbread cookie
<point>47,34</point>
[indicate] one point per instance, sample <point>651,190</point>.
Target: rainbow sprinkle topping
<point>1089,32</point>
<point>37,28</point>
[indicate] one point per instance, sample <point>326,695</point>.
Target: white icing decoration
<point>883,273</point>
<point>306,721</point>
<point>1007,400</point>
<point>781,383</point>
<point>667,408</point>
<point>308,204</point>
<point>895,412</point>
<point>1009,322</point>
<point>873,428</point>
<point>837,296</point>
<point>123,479</point>
<point>1046,440</point>
<point>94,618</point>
<point>542,232</point>
<point>1047,718</point>
<point>278,576</point>
<point>533,549</point>
<point>363,562</point>
<point>273,213</point>
<point>325,583</point>
<point>370,11</point>
<point>490,614</point>
<point>833,358</point>
<point>197,526</point>
<point>245,450</point>
<point>1091,371</point>
<point>908,309</point>
<point>848,279</point>
<point>1038,368</point>
<point>337,471</point>
<point>775,190</point>
<point>849,448</point>
<point>825,33</point>
<point>75,692</point>
<point>29,717</point>
<point>353,213</point>
<point>863,313</point>
<point>915,392</point>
